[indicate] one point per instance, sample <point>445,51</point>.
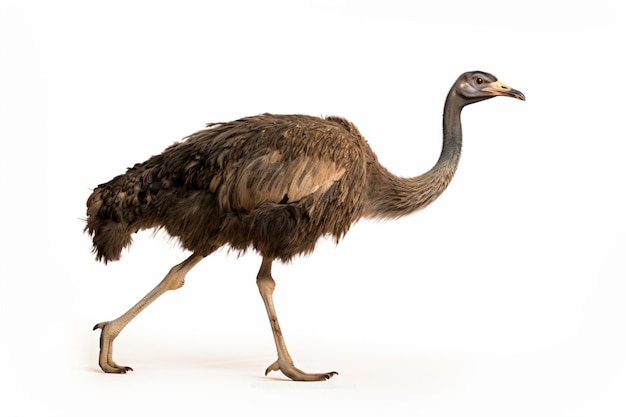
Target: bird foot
<point>290,371</point>
<point>113,368</point>
<point>105,360</point>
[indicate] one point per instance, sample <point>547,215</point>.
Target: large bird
<point>274,183</point>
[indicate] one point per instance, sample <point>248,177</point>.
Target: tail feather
<point>109,238</point>
<point>109,235</point>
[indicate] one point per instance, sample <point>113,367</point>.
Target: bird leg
<point>266,285</point>
<point>110,329</point>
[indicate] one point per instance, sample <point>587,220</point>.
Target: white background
<point>503,298</point>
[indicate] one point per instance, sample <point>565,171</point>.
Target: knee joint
<point>266,284</point>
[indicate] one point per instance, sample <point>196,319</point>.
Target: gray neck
<point>452,133</point>
<point>390,196</point>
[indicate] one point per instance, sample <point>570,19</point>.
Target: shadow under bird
<point>274,183</point>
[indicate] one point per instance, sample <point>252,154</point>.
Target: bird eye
<point>479,80</point>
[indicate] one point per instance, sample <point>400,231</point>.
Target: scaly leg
<point>266,285</point>
<point>110,329</point>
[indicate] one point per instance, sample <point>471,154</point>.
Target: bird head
<point>476,86</point>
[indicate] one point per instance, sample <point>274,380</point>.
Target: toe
<point>273,367</point>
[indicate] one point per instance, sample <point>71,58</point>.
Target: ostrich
<point>274,183</point>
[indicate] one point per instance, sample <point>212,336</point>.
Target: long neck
<point>390,196</point>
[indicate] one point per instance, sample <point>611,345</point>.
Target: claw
<point>329,375</point>
<point>273,367</point>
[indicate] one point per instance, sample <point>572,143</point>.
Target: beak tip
<point>518,95</point>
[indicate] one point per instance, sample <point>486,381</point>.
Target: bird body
<point>274,183</point>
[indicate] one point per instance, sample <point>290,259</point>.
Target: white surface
<point>505,297</point>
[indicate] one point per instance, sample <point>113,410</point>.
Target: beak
<point>497,88</point>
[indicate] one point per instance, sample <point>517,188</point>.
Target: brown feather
<point>268,182</point>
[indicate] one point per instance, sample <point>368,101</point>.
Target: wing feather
<point>272,179</point>
<point>275,159</point>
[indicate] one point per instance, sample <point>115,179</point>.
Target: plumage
<point>237,184</point>
<point>273,183</point>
